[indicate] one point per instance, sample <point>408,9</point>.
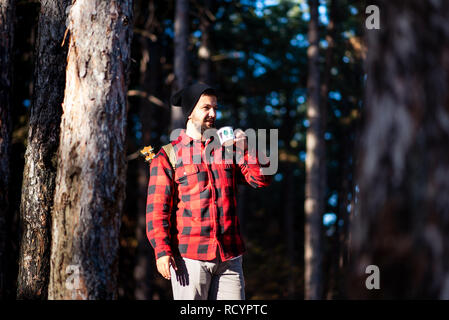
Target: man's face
<point>205,112</point>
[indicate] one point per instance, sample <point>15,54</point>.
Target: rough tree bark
<point>6,42</point>
<point>90,181</point>
<point>402,219</point>
<point>313,193</point>
<point>181,54</point>
<point>40,158</point>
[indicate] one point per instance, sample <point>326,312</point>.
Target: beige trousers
<point>208,280</point>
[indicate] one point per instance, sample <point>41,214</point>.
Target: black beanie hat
<point>188,97</point>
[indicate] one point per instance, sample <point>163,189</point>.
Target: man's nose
<point>212,113</point>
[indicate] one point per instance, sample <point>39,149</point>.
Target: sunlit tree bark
<point>90,182</point>
<point>314,145</point>
<point>40,158</point>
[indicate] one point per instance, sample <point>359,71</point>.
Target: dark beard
<point>205,127</point>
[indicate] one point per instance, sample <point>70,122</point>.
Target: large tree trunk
<point>402,221</point>
<point>90,183</point>
<point>40,157</point>
<point>313,192</point>
<point>181,65</point>
<point>6,41</point>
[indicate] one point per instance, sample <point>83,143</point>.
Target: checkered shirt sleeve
<point>159,204</point>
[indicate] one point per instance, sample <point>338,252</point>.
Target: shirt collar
<point>186,139</point>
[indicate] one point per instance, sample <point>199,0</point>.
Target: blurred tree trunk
<point>205,50</point>
<point>324,106</point>
<point>181,57</point>
<point>347,194</point>
<point>402,219</point>
<point>6,43</point>
<point>340,250</point>
<point>90,182</point>
<point>289,223</point>
<point>40,158</point>
<point>149,81</point>
<point>314,141</point>
<point>289,197</point>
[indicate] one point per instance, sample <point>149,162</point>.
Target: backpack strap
<point>168,148</point>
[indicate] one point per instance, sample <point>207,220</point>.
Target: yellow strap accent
<point>168,148</point>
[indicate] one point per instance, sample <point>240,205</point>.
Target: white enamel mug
<point>226,136</point>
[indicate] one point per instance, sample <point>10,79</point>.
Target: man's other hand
<point>163,266</point>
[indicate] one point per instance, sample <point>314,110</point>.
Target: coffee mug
<point>226,136</point>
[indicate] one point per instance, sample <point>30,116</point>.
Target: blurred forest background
<point>256,54</point>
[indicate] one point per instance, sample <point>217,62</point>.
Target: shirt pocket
<point>190,178</point>
<point>182,173</point>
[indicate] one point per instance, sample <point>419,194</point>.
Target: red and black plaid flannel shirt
<point>205,196</point>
